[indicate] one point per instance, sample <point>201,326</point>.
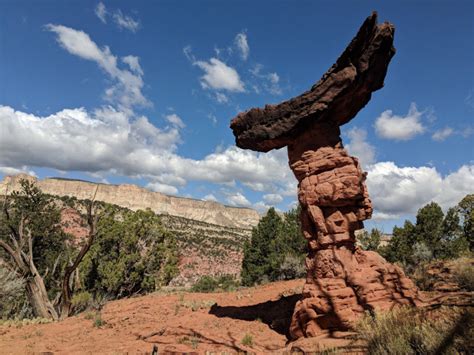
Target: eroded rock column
<point>342,280</point>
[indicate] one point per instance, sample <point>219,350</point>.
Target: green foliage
<point>429,227</point>
<point>466,210</point>
<point>12,294</point>
<point>51,246</point>
<point>272,240</point>
<point>211,284</point>
<point>409,331</point>
<point>133,253</point>
<point>292,267</point>
<point>247,340</point>
<point>81,301</point>
<point>464,274</point>
<point>370,241</point>
<point>400,247</point>
<point>433,236</point>
<point>98,321</point>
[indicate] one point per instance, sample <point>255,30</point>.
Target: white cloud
<point>163,188</point>
<point>175,120</point>
<point>127,92</point>
<point>221,98</point>
<point>101,12</point>
<point>391,126</point>
<point>242,45</point>
<point>6,170</point>
<point>210,197</point>
<point>272,199</point>
<point>359,147</point>
<point>122,21</point>
<point>441,134</point>
<point>237,199</point>
<point>109,141</point>
<point>397,191</point>
<point>188,52</point>
<point>213,118</point>
<point>261,207</point>
<point>219,76</point>
<point>126,22</point>
<point>133,63</point>
<point>269,82</point>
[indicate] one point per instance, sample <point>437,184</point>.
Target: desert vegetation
<point>47,273</point>
<point>276,250</point>
<point>435,237</point>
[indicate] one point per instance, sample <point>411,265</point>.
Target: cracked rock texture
<point>342,280</point>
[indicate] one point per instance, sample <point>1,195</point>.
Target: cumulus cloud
<point>261,207</point>
<point>273,199</point>
<point>219,76</point>
<point>127,91</point>
<point>359,147</point>
<point>101,12</point>
<point>391,126</point>
<point>210,197</point>
<point>237,199</point>
<point>125,21</point>
<point>242,45</point>
<point>163,188</point>
<point>6,170</point>
<point>398,191</point>
<point>109,141</point>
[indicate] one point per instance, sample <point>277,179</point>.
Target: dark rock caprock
<point>342,280</point>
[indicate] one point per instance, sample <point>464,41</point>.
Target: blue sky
<point>143,92</point>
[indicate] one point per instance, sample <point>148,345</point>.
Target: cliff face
<point>135,198</point>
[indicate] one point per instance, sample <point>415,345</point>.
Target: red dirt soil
<point>174,322</point>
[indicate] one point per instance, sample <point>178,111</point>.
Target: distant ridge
<point>135,198</point>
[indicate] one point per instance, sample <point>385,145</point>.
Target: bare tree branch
<point>66,293</point>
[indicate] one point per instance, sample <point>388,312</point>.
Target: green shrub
<point>81,301</point>
<point>227,283</point>
<point>133,253</point>
<point>272,239</point>
<point>292,267</point>
<point>205,284</point>
<point>12,295</point>
<point>98,321</point>
<point>412,331</point>
<point>211,284</point>
<point>247,340</point>
<point>464,274</point>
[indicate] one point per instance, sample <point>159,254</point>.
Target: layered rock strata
<point>138,198</point>
<point>342,280</point>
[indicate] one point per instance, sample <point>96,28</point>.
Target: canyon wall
<point>135,198</point>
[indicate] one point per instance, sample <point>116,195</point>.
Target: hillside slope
<point>135,198</point>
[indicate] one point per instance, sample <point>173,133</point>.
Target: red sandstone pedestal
<point>342,281</point>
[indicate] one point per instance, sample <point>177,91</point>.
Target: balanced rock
<point>342,281</point>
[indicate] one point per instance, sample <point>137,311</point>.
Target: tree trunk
<point>39,300</point>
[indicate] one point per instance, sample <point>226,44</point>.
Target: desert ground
<point>248,320</point>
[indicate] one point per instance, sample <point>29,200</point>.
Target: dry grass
<point>414,331</point>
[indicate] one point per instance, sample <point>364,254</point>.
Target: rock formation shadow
<point>276,314</point>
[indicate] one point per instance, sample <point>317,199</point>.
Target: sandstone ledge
<point>135,198</point>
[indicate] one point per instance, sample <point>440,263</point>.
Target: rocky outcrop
<point>337,97</point>
<point>135,198</point>
<point>342,280</point>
